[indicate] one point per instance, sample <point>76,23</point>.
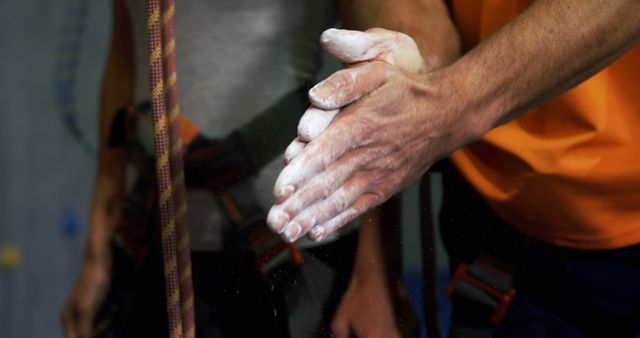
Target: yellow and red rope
<point>169,168</point>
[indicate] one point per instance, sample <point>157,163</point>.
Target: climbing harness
<point>220,167</point>
<point>169,168</point>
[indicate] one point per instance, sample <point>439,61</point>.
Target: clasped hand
<point>374,128</point>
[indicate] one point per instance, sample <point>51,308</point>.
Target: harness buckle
<point>275,259</point>
<point>486,281</point>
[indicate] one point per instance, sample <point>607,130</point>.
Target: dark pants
<point>560,292</point>
<point>230,298</point>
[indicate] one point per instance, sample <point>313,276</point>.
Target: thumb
<point>394,48</point>
<point>68,323</point>
<point>350,84</point>
<point>84,325</point>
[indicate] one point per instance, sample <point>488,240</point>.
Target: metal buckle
<point>487,281</point>
<point>273,256</point>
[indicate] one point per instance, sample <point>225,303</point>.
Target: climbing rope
<point>169,168</point>
<point>177,168</point>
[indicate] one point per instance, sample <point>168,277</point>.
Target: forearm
<point>116,91</point>
<point>548,49</point>
<point>105,212</point>
<point>394,124</point>
<point>426,21</point>
<point>369,260</point>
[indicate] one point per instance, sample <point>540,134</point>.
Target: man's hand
<point>373,305</point>
<point>365,310</point>
<point>353,48</point>
<point>85,300</point>
<point>380,142</point>
<point>403,122</point>
<point>369,55</point>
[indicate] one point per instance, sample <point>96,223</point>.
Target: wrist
<point>486,98</point>
<point>374,281</point>
<point>368,269</point>
<point>463,98</point>
<point>98,256</point>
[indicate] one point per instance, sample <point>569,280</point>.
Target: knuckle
<point>364,128</point>
<point>340,203</point>
<point>292,206</point>
<point>376,30</point>
<point>329,185</point>
<point>403,38</point>
<point>345,79</point>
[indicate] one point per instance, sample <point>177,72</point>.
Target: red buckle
<point>264,259</point>
<point>503,299</point>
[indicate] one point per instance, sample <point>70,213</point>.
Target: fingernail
<point>286,191</point>
<point>292,231</point>
<point>293,149</point>
<point>277,219</point>
<point>319,92</point>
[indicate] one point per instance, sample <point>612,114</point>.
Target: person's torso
<point>235,58</point>
<point>567,172</point>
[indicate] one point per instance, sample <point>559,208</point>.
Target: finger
<point>319,187</point>
<point>348,132</point>
<point>379,44</point>
<point>352,46</point>
<point>83,324</point>
<point>314,122</point>
<point>293,149</point>
<point>340,323</point>
<point>68,324</point>
<point>326,209</point>
<point>350,84</point>
<point>330,207</point>
<point>313,159</point>
<point>362,204</point>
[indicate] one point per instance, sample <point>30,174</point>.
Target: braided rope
<point>165,145</point>
<point>177,168</point>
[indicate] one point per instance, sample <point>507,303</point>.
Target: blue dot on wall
<point>69,223</point>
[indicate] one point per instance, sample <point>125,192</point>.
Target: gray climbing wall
<point>45,176</point>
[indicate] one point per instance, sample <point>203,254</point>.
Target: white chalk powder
<point>394,48</point>
<point>293,149</point>
<point>314,122</point>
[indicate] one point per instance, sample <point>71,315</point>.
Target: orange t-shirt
<point>568,172</point>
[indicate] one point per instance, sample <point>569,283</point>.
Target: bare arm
<point>366,308</point>
<point>117,90</point>
<point>550,48</point>
<point>388,139</point>
<point>426,21</point>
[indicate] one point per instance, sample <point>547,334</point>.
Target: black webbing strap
<point>268,134</point>
<point>429,270</point>
<point>390,214</point>
<point>259,140</point>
